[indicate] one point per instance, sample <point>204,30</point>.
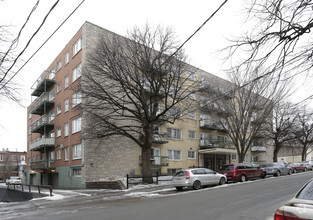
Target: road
<point>252,200</point>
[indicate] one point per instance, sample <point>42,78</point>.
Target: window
<point>29,161</point>
<point>205,120</point>
<point>77,46</point>
<point>14,158</point>
<point>58,154</point>
<point>51,134</point>
<point>52,74</point>
<point>222,140</point>
<point>29,129</point>
<point>191,154</point>
<point>174,112</point>
<point>66,130</point>
<point>51,156</point>
<point>77,151</point>
<point>76,99</point>
<point>77,171</point>
<point>59,132</point>
<point>59,65</point>
<point>66,82</point>
<point>77,72</point>
<point>191,76</point>
<point>206,139</point>
<point>66,156</point>
<point>174,133</point>
<point>66,57</point>
<point>254,159</point>
<point>76,125</point>
<point>51,95</point>
<point>191,134</point>
<point>66,105</point>
<point>58,109</point>
<point>1,157</point>
<point>174,154</point>
<point>246,158</point>
<point>23,158</point>
<point>51,115</point>
<point>192,115</point>
<point>173,171</point>
<point>59,87</point>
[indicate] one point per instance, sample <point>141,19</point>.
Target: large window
<point>51,95</point>
<point>77,46</point>
<point>52,74</point>
<point>66,58</point>
<point>51,115</point>
<point>77,151</point>
<point>175,112</point>
<point>174,133</point>
<point>76,99</point>
<point>192,115</point>
<point>66,155</point>
<point>59,87</point>
<point>174,154</point>
<point>76,125</point>
<point>58,109</point>
<point>58,154</point>
<point>59,66</point>
<point>51,156</point>
<point>59,132</point>
<point>77,72</point>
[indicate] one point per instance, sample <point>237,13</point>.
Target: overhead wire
<point>43,42</point>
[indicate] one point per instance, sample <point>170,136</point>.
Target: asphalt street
<point>249,200</point>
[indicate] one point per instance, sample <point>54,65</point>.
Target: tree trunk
<point>241,157</point>
<point>275,155</point>
<point>303,156</point>
<point>146,165</point>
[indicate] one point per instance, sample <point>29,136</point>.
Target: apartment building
<point>61,154</point>
<point>12,163</point>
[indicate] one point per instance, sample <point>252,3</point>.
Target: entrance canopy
<point>218,151</point>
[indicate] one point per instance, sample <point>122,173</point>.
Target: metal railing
<point>41,142</point>
<point>30,187</point>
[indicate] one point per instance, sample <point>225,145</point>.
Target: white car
<point>300,206</point>
<point>13,180</point>
<point>197,178</point>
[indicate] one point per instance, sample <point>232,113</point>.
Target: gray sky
<point>117,16</point>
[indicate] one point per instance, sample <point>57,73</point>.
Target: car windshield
<point>307,192</point>
<point>267,165</point>
<point>227,167</point>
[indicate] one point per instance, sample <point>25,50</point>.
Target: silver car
<point>13,180</point>
<point>300,206</point>
<point>197,178</point>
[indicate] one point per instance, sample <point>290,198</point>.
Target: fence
<point>156,177</point>
<point>36,187</point>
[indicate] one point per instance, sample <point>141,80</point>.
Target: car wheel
<point>179,187</point>
<point>197,185</point>
<point>243,178</point>
<point>294,171</point>
<point>277,173</point>
<point>222,181</point>
<point>263,175</point>
<point>289,172</point>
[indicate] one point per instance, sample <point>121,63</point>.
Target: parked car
<point>13,180</point>
<point>297,167</point>
<point>300,206</point>
<point>276,169</point>
<point>242,171</point>
<point>307,164</point>
<point>197,178</point>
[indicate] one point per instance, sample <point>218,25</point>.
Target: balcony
<point>157,139</point>
<point>258,149</point>
<point>43,165</point>
<point>211,126</point>
<point>41,125</point>
<point>41,104</point>
<point>208,143</point>
<point>42,142</point>
<point>42,86</point>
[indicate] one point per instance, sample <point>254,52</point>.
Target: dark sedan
<point>276,169</point>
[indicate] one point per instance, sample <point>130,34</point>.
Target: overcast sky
<point>117,16</point>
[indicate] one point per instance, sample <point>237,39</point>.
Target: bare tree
<point>303,131</point>
<point>132,85</point>
<point>281,38</point>
<point>247,107</point>
<point>284,116</point>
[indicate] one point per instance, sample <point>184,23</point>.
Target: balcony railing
<point>41,104</point>
<point>42,85</point>
<point>39,125</point>
<point>209,143</point>
<point>157,139</point>
<point>211,126</point>
<point>42,142</point>
<point>258,149</point>
<point>42,164</point>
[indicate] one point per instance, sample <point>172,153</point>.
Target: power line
<point>43,44</point>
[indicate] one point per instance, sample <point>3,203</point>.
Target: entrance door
<point>156,156</point>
